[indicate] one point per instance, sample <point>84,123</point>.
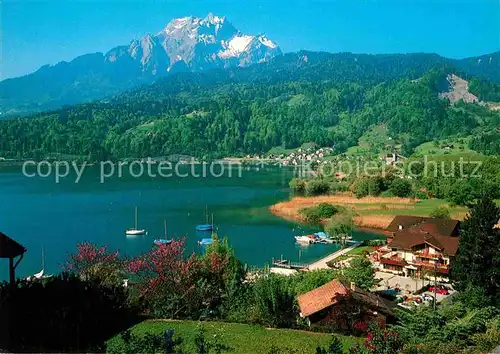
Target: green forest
<point>249,111</point>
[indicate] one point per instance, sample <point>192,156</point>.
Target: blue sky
<point>34,33</point>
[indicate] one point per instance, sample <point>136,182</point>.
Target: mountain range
<point>207,51</point>
<point>184,45</point>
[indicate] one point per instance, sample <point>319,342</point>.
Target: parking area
<point>408,287</point>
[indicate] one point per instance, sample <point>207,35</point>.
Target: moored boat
<point>304,240</point>
<point>163,241</point>
<point>135,231</point>
<point>41,274</point>
<point>206,241</point>
<point>322,237</point>
<point>206,226</point>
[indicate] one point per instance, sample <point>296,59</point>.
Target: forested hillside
<point>90,77</point>
<point>303,97</point>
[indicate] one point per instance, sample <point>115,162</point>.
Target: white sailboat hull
<point>134,232</point>
<point>303,239</point>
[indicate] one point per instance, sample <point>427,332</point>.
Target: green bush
<point>326,210</point>
<point>420,195</point>
<point>401,188</point>
<point>317,187</point>
<point>368,186</point>
<point>386,194</point>
<point>298,185</point>
<point>147,343</point>
<point>441,212</point>
<point>311,215</point>
<point>314,215</point>
<point>461,193</point>
<point>338,186</point>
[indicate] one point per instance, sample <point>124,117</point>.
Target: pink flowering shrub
<point>95,263</point>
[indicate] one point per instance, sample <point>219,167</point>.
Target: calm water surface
<point>38,213</point>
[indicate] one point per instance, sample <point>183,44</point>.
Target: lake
<point>37,212</point>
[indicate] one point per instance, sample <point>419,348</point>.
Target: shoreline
<point>376,223</point>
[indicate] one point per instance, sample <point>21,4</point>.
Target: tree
<point>401,187</point>
<point>222,275</point>
<point>317,187</point>
<point>298,185</point>
<point>96,263</point>
<point>340,226</point>
<point>368,186</point>
<point>335,347</point>
<point>168,281</point>
<point>360,272</point>
<point>275,301</point>
<point>461,193</point>
<point>477,262</point>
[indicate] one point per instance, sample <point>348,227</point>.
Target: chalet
<point>346,306</point>
<point>426,224</point>
<point>391,159</point>
<point>421,246</point>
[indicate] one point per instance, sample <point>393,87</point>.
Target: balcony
<point>425,253</point>
<point>441,268</point>
<point>394,260</point>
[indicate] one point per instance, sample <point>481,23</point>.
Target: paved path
<point>321,264</point>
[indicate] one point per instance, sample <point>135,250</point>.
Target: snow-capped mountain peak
<point>212,19</point>
<point>193,43</point>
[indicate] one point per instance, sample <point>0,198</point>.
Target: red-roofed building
<point>421,246</point>
<point>342,306</point>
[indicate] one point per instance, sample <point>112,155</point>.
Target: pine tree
<point>477,262</point>
<point>335,347</point>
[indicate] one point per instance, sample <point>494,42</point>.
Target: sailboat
<point>207,226</point>
<point>208,241</point>
<point>135,231</point>
<point>40,274</point>
<point>163,241</point>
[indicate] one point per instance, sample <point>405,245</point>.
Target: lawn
<point>420,208</point>
<point>451,147</point>
<point>358,251</point>
<point>242,338</point>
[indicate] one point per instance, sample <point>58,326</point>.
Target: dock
<point>285,263</point>
<point>322,263</point>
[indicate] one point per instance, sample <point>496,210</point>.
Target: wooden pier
<point>285,263</point>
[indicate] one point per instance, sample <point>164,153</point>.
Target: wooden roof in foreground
<point>10,248</point>
<point>431,225</point>
<point>330,293</point>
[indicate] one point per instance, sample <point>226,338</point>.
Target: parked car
<point>439,290</point>
<point>427,297</point>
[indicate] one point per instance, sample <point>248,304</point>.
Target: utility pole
<point>435,283</point>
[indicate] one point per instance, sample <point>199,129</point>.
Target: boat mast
<point>165,227</point>
<point>43,259</point>
<point>135,218</point>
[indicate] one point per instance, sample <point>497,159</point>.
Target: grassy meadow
<point>241,338</point>
<point>371,212</point>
